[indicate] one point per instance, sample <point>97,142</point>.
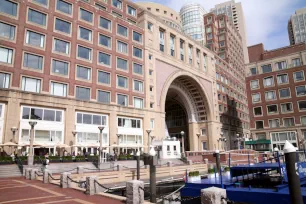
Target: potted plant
<point>211,173</point>
<point>194,176</point>
<point>226,171</point>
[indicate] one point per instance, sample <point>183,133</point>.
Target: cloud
<point>266,20</point>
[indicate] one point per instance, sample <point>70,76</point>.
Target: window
<point>300,90</point>
<point>138,103</point>
<point>286,107</point>
<point>268,81</point>
<point>281,65</point>
<point>82,93</point>
<point>8,7</point>
<point>182,49</point>
<point>86,15</point>
<point>43,2</point>
<point>274,123</point>
<point>30,84</point>
<point>138,86</point>
<point>85,34</point>
<point>122,82</point>
<point>4,80</point>
<point>117,4</point>
<point>104,58</point>
<point>151,105</point>
<point>150,72</point>
<point>35,39</point>
<point>6,55</point>
<point>121,30</point>
<point>91,119</point>
<point>32,61</point>
<point>302,105</point>
<point>296,62</point>
<point>137,37</point>
<point>284,93</point>
<point>254,84</point>
<point>161,40</point>
<point>31,113</point>
<point>62,26</point>
<point>282,79</point>
<point>58,89</point>
<point>122,64</point>
<point>172,44</point>
<point>150,26</point>
<point>298,76</point>
<point>131,11</point>
<point>99,6</point>
<point>266,68</point>
<point>61,46</point>
<point>122,47</point>
<point>303,122</point>
<point>152,124</point>
<point>64,7</point>
<point>253,71</point>
<point>256,97</point>
<point>105,23</point>
<point>257,111</point>
<point>84,52</point>
<point>137,52</point>
<point>37,17</point>
<point>272,109</point>
<point>288,122</point>
<point>122,100</point>
<point>103,77</point>
<point>204,146</point>
<point>105,41</point>
<point>259,124</point>
<point>103,97</point>
<point>137,68</point>
<point>59,67</point>
<point>270,95</point>
<point>129,123</point>
<point>83,72</point>
<point>7,31</point>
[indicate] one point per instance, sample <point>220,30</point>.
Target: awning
<point>255,142</point>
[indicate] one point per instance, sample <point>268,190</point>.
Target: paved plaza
<point>19,190</point>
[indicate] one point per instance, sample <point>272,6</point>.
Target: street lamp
<point>14,130</point>
<point>149,131</point>
<point>101,128</point>
<point>31,153</point>
<point>198,134</point>
<point>183,146</point>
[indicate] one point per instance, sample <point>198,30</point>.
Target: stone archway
<point>186,106</point>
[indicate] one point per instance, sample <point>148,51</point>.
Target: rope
<point>38,174</point>
<point>53,178</point>
<point>74,181</point>
<point>102,186</point>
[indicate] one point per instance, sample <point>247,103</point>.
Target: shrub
<point>211,171</point>
<point>194,173</point>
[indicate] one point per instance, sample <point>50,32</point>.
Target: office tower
<point>296,27</point>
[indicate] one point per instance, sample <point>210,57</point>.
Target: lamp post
<point>138,164</point>
<point>183,145</point>
<point>238,140</point>
<point>74,132</point>
<point>198,134</point>
<point>101,128</point>
<point>149,131</point>
<point>14,130</point>
<point>31,152</point>
<point>153,163</point>
<point>118,139</point>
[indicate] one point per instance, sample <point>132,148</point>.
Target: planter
<point>194,178</point>
<point>227,174</point>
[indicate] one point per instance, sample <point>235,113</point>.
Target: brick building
<point>277,92</point>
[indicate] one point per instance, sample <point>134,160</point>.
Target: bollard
<point>28,173</point>
<point>169,164</point>
<point>293,174</point>
<point>64,181</point>
<point>90,185</point>
<point>213,195</point>
<point>33,174</point>
<point>205,161</point>
<point>119,167</point>
<point>80,170</point>
<point>46,176</point>
<point>189,162</point>
<point>134,192</point>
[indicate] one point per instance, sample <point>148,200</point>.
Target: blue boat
<point>261,183</point>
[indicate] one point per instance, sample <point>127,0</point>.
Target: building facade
<point>74,66</point>
<point>277,91</point>
<point>234,11</point>
<point>296,27</point>
<point>223,39</point>
<point>192,21</point>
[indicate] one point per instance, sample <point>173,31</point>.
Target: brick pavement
<point>18,190</point>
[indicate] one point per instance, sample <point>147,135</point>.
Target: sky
<point>266,20</point>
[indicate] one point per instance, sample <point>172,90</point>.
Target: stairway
<point>10,170</point>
